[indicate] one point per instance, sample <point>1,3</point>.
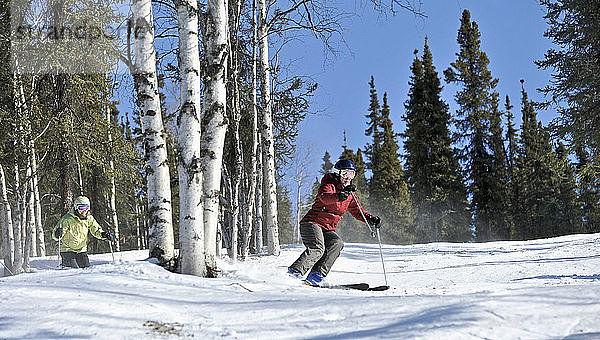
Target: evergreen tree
<point>388,192</point>
<point>588,192</point>
<point>499,205</point>
<point>574,27</point>
<point>477,101</point>
<point>373,125</point>
<point>511,138</point>
<point>327,165</point>
<point>432,169</point>
<point>285,215</point>
<point>544,183</point>
<point>527,187</point>
<point>567,217</point>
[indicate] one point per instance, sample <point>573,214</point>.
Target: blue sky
<point>511,36</point>
<point>382,46</point>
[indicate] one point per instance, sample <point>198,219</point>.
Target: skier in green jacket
<point>72,232</point>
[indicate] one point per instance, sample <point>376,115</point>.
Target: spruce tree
<point>499,205</point>
<point>327,165</point>
<point>545,201</point>
<point>285,221</point>
<point>432,170</point>
<point>588,192</point>
<point>525,209</point>
<point>567,218</point>
<point>511,137</point>
<point>476,105</point>
<point>373,125</point>
<point>574,28</point>
<point>388,192</point>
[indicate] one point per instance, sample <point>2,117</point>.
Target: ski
<point>356,286</point>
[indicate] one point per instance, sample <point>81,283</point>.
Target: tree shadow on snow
<point>449,317</point>
<point>496,263</point>
<point>559,277</point>
<point>6,322</point>
<point>583,336</point>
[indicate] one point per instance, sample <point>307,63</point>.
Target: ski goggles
<point>347,173</point>
<point>83,207</point>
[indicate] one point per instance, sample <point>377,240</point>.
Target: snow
<point>538,289</point>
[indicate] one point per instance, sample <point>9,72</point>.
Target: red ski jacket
<point>327,210</point>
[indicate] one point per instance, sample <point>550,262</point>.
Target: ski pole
<point>58,252</point>
<point>111,250</point>
<point>110,242</point>
<point>378,237</point>
<point>5,266</point>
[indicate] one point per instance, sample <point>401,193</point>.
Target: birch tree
<point>112,201</point>
<point>234,111</point>
<point>258,222</point>
<point>17,226</point>
<point>214,122</point>
<point>252,179</point>
<point>160,239</point>
<point>268,148</point>
<point>303,15</point>
<point>41,246</point>
<point>30,246</point>
<point>191,227</point>
<point>8,245</point>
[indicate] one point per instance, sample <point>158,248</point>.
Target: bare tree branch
<point>393,6</point>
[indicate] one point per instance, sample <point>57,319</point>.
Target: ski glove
<point>374,221</point>
<point>348,189</point>
<point>108,235</point>
<point>58,233</point>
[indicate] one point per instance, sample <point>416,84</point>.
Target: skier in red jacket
<point>317,227</point>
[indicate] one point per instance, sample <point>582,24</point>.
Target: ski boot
<point>315,278</point>
<point>295,273</point>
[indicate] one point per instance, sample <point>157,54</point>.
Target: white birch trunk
<point>79,174</point>
<point>138,230</point>
<point>18,226</point>
<point>37,206</point>
<point>161,242</point>
<point>238,166</point>
<point>214,122</point>
<point>270,185</point>
<point>191,223</point>
<point>251,196</point>
<point>298,210</point>
<point>37,247</point>
<point>112,201</point>
<point>31,228</point>
<point>225,211</point>
<point>29,221</point>
<point>145,229</point>
<point>19,216</point>
<point>258,225</point>
<point>8,240</point>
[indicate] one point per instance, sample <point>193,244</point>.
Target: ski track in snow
<point>541,289</point>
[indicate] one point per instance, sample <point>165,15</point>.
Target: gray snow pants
<point>322,249</point>
<point>75,260</point>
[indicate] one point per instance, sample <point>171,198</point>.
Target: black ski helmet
<point>345,164</point>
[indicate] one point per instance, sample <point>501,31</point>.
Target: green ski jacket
<point>75,232</point>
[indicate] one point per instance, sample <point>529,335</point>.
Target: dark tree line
<point>472,174</point>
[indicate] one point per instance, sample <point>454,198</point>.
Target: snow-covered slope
<point>502,290</point>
